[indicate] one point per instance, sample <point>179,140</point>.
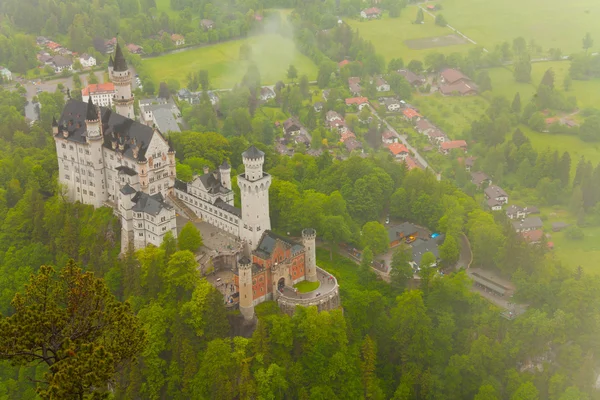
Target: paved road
<point>404,140</point>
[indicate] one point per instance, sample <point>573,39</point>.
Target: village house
<point>436,136</point>
<point>424,127</point>
<point>446,147</point>
<point>283,149</point>
<point>469,163</point>
<point>381,84</point>
<point>53,46</point>
<point>359,102</point>
<point>480,178</point>
<point>134,48</point>
<point>496,197</point>
<point>354,85</point>
<point>87,61</point>
<point>411,77</point>
<point>515,212</point>
<point>559,226</point>
<point>528,224</point>
<point>102,94</point>
<point>325,94</point>
<point>5,74</point>
<point>45,58</point>
<point>392,104</point>
<point>411,114</point>
<point>207,24</point>
<point>451,76</point>
<point>109,45</point>
<point>318,106</point>
<point>411,163</point>
<point>388,137</point>
<point>405,232</point>
<point>371,13</point>
<point>266,94</point>
<point>343,63</point>
<point>533,237</point>
<point>460,88</point>
<point>292,126</point>
<point>398,150</point>
<point>347,135</point>
<point>61,63</point>
<point>177,39</point>
<point>352,144</point>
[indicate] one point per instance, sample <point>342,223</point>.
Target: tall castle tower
<point>254,186</point>
<point>246,290</point>
<point>121,77</point>
<point>309,236</point>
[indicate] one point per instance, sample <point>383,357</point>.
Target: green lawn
<point>551,23</point>
<point>388,35</point>
<point>306,286</point>
<point>451,114</point>
<point>272,53</point>
<point>165,6</point>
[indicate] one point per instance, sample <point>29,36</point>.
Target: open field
<point>390,36</point>
<point>272,53</point>
<point>551,23</point>
<point>451,114</point>
<point>165,6</point>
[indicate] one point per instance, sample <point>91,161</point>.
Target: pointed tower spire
<point>110,61</point>
<point>54,123</point>
<point>119,63</point>
<point>91,114</point>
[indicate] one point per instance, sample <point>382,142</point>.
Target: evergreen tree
<point>587,42</point>
<point>420,16</point>
<point>516,103</point>
<point>292,73</point>
<point>548,78</point>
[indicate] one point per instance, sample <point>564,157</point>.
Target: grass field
<point>272,53</point>
<point>551,23</point>
<point>165,6</point>
<point>306,286</point>
<point>388,35</point>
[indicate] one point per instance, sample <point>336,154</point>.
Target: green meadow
<point>272,53</point>
<point>551,23</point>
<point>389,35</point>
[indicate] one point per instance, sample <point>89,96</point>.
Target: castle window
<point>112,157</point>
<point>87,152</point>
<point>141,234</point>
<point>80,150</point>
<point>64,146</point>
<point>77,190</point>
<point>70,147</point>
<point>84,191</point>
<point>66,176</point>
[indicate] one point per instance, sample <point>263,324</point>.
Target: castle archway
<point>280,284</point>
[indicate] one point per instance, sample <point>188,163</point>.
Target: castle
<point>107,159</point>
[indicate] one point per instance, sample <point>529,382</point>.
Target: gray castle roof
<point>253,153</point>
<point>114,126</point>
<point>119,64</point>
<point>127,190</point>
<point>149,204</point>
<point>267,244</point>
<point>110,61</point>
<point>91,114</point>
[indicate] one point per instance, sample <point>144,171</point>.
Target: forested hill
<point>440,341</point>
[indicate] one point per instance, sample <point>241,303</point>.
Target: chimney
<point>206,169</point>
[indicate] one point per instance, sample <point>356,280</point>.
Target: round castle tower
<point>121,78</point>
<point>309,237</point>
<point>92,121</point>
<point>245,287</point>
<point>225,172</point>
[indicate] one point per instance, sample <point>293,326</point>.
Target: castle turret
<point>121,78</point>
<point>245,288</point>
<point>254,187</point>
<point>225,172</point>
<point>92,121</point>
<point>309,237</point>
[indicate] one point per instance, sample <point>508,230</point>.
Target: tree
<point>516,104</point>
<point>440,20</point>
<point>420,16</point>
<point>292,73</point>
<point>450,251</point>
<point>567,82</point>
<point>587,42</point>
<point>203,79</point>
<point>374,236</point>
<point>589,131</point>
<point>415,66</point>
<point>522,72</point>
<point>484,81</point>
<point>401,270</point>
<point>486,392</point>
<point>189,238</point>
<point>574,233</point>
<point>548,78</point>
<point>92,78</point>
<point>163,90</point>
<point>366,259</point>
<point>70,321</point>
<point>335,231</point>
<point>527,391</point>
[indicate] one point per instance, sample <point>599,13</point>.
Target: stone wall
<point>325,302</point>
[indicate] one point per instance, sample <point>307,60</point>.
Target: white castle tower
<point>254,186</point>
<point>225,172</point>
<point>121,77</point>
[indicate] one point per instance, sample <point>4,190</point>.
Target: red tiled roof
<point>347,135</point>
<point>175,37</point>
<point>53,45</point>
<point>356,100</point>
<point>372,10</point>
<point>455,144</point>
<point>410,163</point>
<point>410,113</point>
<point>353,79</point>
<point>343,63</point>
<point>533,236</point>
<point>552,120</point>
<point>388,135</point>
<point>397,148</point>
<point>96,88</point>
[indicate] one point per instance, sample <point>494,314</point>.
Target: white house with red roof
<point>359,102</point>
<point>398,150</point>
<point>411,114</point>
<point>388,137</point>
<point>101,93</point>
